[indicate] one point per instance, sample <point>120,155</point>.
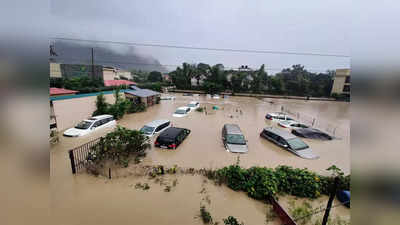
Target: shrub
<point>200,109</point>
<point>137,108</point>
<point>118,146</point>
<point>205,215</point>
<point>232,221</point>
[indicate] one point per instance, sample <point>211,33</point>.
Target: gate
<point>79,154</point>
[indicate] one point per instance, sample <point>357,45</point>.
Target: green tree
<point>155,76</point>
<point>101,105</point>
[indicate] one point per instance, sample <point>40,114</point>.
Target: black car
<point>171,138</point>
<point>311,133</point>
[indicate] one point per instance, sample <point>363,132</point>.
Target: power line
<point>206,48</point>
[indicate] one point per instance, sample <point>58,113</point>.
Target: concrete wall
<point>55,70</point>
<point>340,81</point>
<point>108,74</point>
<point>69,112</point>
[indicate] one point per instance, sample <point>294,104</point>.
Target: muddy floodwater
<point>85,199</point>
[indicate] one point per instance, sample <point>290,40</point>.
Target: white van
<point>155,127</point>
<point>92,124</point>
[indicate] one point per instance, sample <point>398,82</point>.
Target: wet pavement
<point>84,199</point>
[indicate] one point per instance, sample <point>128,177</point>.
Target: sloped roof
<point>143,93</point>
<point>61,91</point>
<point>108,83</point>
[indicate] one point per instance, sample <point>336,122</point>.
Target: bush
<point>232,221</point>
<point>261,182</point>
<point>200,109</point>
<point>137,108</point>
<point>118,146</point>
<point>205,215</point>
<point>156,86</point>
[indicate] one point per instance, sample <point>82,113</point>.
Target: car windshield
<point>83,125</point>
<point>147,130</point>
<point>192,105</point>
<point>286,122</point>
<point>180,111</point>
<point>236,139</point>
<point>297,144</point>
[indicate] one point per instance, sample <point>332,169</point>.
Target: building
<point>341,82</point>
<point>55,70</point>
<point>166,77</point>
<point>125,74</point>
<point>145,96</point>
<point>109,73</point>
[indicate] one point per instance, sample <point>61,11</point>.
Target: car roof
<point>284,134</point>
<point>193,102</point>
<point>276,113</point>
<point>100,117</point>
<point>171,132</point>
<point>156,123</point>
<point>233,129</point>
<point>183,107</point>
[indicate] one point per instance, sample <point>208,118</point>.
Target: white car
<point>193,105</point>
<point>278,117</point>
<point>167,98</point>
<point>182,111</point>
<point>155,127</point>
<point>215,96</point>
<point>90,125</point>
<point>292,124</point>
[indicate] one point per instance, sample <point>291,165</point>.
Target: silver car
<point>288,141</point>
<point>233,139</point>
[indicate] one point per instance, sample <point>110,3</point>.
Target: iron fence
<point>78,155</point>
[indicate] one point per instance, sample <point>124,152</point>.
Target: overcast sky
<point>297,26</point>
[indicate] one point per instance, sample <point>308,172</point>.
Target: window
<point>347,79</point>
<point>346,88</point>
<point>97,123</point>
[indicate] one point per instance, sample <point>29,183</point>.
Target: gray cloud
<point>312,26</point>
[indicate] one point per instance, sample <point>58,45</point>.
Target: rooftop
<point>61,91</point>
<point>109,83</point>
<point>143,93</point>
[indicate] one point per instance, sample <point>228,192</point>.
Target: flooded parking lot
<point>99,201</point>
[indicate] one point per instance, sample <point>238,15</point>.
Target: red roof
<point>61,91</point>
<point>118,82</point>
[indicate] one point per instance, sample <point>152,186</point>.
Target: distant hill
<point>123,57</point>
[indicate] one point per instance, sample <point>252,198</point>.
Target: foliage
<point>261,182</point>
<point>76,83</point>
<point>101,105</point>
<point>154,76</point>
<point>118,109</point>
<point>232,221</point>
<point>200,109</point>
<point>118,146</point>
<point>152,86</point>
<point>301,213</point>
<point>205,215</point>
<point>270,214</point>
<point>290,81</point>
<point>141,107</point>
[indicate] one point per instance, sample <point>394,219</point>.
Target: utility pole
<point>331,198</point>
<point>92,63</point>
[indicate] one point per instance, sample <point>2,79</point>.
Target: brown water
<point>84,199</point>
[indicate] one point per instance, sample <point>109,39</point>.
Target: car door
<point>96,125</point>
<point>281,142</point>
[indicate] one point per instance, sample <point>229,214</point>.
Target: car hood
<point>75,132</point>
<point>179,115</point>
<point>307,154</point>
<point>237,148</point>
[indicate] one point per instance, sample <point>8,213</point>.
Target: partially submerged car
<point>288,141</point>
<point>278,117</point>
<point>215,96</point>
<point>233,139</point>
<point>182,111</point>
<point>90,125</point>
<point>292,124</point>
<point>311,133</point>
<point>193,105</point>
<point>171,138</point>
<point>167,98</point>
<point>155,127</point>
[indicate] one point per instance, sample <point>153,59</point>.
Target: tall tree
<point>155,76</point>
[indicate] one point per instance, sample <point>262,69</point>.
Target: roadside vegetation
<point>290,81</point>
<point>84,84</point>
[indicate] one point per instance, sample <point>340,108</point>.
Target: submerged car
<point>182,111</point>
<point>215,96</point>
<point>278,117</point>
<point>193,105</point>
<point>90,125</point>
<point>167,98</point>
<point>155,127</point>
<point>233,139</point>
<point>292,124</point>
<point>187,94</point>
<point>171,138</point>
<point>288,141</point>
<point>311,133</point>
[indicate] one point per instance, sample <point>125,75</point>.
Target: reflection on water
<point>84,199</point>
